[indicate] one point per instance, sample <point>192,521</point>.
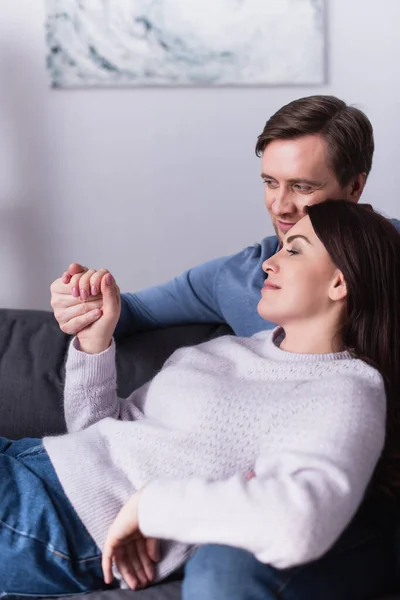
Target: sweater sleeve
<point>90,391</point>
<point>189,298</point>
<point>195,296</point>
<point>302,496</point>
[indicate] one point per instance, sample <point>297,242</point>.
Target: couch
<point>32,355</point>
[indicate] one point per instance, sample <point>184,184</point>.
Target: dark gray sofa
<point>32,354</point>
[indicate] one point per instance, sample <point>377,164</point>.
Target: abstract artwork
<point>185,42</point>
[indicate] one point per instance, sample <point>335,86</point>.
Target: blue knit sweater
<point>224,290</point>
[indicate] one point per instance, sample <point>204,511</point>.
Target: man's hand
<point>76,298</point>
<point>133,554</point>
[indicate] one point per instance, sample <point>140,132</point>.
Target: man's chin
<point>278,232</point>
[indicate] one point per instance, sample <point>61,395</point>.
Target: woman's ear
<point>338,288</point>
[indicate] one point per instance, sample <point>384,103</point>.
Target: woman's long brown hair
<point>365,246</point>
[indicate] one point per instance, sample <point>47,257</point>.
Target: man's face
<point>296,173</point>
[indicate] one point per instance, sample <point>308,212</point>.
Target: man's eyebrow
<point>309,181</point>
<point>293,181</point>
<point>291,238</point>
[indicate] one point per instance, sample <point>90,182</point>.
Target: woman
<point>267,443</point>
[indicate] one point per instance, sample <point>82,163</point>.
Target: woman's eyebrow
<point>290,239</point>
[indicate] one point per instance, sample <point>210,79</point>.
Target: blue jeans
<point>46,551</point>
<point>361,566</point>
<point>44,548</point>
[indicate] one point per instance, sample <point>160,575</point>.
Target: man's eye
<point>271,183</point>
<point>303,188</point>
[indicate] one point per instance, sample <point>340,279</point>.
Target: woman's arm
<point>90,392</point>
<point>303,495</point>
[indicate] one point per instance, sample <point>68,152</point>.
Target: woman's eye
<point>291,251</point>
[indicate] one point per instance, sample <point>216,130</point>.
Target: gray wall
<point>150,182</point>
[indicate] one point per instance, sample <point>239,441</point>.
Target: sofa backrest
<point>32,358</point>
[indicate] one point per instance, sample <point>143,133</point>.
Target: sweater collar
<point>275,339</point>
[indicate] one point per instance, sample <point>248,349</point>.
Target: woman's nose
<point>270,266</point>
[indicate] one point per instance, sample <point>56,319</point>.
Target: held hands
<point>125,545</point>
<point>87,303</point>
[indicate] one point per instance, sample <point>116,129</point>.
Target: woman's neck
<point>315,338</point>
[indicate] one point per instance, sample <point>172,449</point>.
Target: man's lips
<point>284,226</point>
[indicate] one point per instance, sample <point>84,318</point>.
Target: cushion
<point>32,357</point>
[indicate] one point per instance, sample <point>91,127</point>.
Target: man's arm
<point>396,223</point>
<point>189,298</point>
<point>193,297</point>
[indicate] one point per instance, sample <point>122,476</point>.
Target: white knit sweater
<point>312,428</point>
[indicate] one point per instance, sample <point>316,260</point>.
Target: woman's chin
<point>267,314</point>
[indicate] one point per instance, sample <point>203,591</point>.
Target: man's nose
<point>282,203</point>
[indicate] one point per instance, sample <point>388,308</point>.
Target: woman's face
<point>302,283</point>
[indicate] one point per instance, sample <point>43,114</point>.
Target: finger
<point>106,563</point>
<point>153,548</point>
<point>74,284</point>
<point>78,310</point>
<point>95,281</point>
<point>61,301</point>
<point>66,277</point>
<point>84,284</point>
<point>126,564</point>
<point>145,560</point>
<point>74,326</point>
<point>75,268</point>
<point>133,551</point>
<point>58,287</point>
<point>110,292</point>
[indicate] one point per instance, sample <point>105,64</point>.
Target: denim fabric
<point>360,566</point>
<point>45,549</point>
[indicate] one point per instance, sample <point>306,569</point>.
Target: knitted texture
<point>311,427</point>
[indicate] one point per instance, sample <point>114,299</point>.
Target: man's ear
<point>356,187</point>
<point>338,288</point>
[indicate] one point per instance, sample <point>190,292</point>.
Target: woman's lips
<point>270,286</point>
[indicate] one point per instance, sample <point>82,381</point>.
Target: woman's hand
<point>133,554</point>
<point>97,337</point>
<point>135,562</point>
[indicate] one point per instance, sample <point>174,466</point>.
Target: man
<point>313,149</point>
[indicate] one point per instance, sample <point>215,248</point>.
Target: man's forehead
<point>304,157</point>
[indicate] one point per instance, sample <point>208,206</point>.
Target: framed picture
<point>185,42</point>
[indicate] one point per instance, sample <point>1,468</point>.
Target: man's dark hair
<point>346,130</point>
